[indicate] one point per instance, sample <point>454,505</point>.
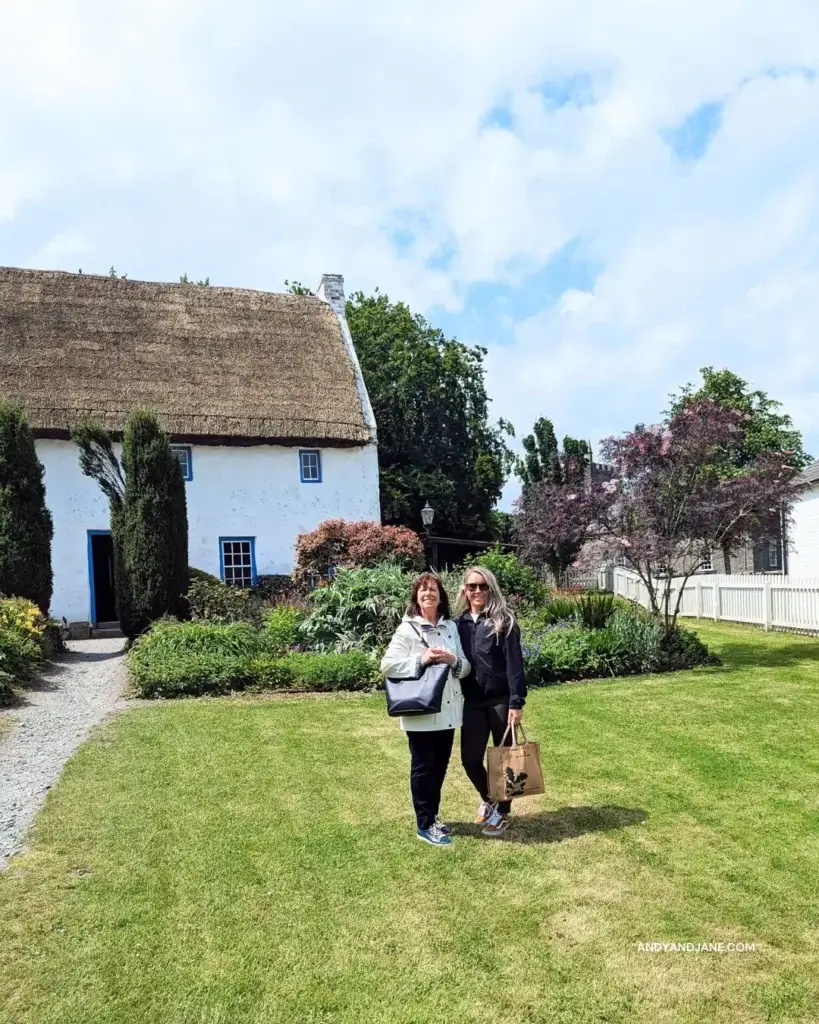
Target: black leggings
<point>479,724</point>
<point>429,753</point>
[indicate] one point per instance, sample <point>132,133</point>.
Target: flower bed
<point>630,643</point>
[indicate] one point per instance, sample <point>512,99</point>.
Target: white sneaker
<point>496,825</point>
<point>484,813</point>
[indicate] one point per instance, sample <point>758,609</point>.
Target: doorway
<point>101,569</point>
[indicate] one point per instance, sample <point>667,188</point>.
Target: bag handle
<point>420,634</point>
<point>512,726</point>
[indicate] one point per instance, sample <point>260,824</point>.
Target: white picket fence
<point>773,602</point>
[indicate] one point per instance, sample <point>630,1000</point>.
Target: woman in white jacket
<point>430,736</point>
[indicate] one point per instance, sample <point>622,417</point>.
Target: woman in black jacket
<point>495,691</point>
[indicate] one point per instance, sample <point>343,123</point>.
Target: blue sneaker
<point>443,827</point>
<point>434,836</point>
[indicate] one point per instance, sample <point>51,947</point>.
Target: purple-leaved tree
<point>668,508</point>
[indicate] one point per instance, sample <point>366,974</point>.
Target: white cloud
<point>259,141</point>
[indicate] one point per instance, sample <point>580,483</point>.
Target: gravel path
<point>77,692</point>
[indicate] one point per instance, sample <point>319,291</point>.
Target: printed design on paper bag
<point>515,782</point>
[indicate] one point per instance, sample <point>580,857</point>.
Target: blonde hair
<point>497,610</point>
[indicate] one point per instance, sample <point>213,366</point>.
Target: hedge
<point>177,658</point>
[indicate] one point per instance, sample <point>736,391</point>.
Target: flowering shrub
<point>24,640</point>
<point>338,543</point>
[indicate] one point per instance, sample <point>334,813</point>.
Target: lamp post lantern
<point>427,517</point>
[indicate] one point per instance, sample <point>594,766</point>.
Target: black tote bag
<point>418,695</point>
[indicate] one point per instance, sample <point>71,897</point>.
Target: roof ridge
<point>126,281</point>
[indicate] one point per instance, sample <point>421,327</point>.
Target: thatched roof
<point>214,363</point>
<point>811,474</point>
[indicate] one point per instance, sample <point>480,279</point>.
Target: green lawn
<point>233,861</point>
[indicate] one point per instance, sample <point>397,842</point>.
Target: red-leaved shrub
<point>336,542</point>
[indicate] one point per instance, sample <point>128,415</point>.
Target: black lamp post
<point>427,517</point>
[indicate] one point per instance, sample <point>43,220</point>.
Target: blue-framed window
<point>310,466</point>
<point>237,560</point>
<point>183,453</point>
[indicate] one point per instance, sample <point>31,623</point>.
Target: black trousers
<point>479,724</point>
<point>429,754</point>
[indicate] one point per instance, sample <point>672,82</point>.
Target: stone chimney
<point>331,289</point>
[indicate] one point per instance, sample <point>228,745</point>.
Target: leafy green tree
<point>149,522</point>
<point>26,527</point>
<point>543,462</point>
<point>764,430</point>
<point>542,459</point>
<point>575,457</point>
<point>435,441</point>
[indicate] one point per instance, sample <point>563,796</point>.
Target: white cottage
<point>803,558</point>
<point>262,395</point>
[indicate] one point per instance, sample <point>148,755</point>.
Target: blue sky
<point>607,197</point>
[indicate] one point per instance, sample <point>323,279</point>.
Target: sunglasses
<point>477,586</point>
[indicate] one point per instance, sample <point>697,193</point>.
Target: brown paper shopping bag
<point>514,771</point>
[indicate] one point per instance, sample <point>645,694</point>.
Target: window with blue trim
<point>310,464</point>
<point>183,453</point>
<point>237,556</point>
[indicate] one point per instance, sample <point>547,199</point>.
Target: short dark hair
<point>413,608</point>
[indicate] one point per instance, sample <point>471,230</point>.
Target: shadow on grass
<point>738,655</point>
<point>565,823</point>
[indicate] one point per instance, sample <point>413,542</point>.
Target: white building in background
<point>261,392</point>
<point>803,556</point>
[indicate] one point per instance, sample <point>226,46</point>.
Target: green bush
<point>559,609</point>
<point>199,575</point>
<point>682,648</point>
<point>640,635</point>
<point>20,655</point>
<point>594,609</point>
<point>517,581</point>
<point>209,599</point>
<point>361,608</point>
<point>349,670</point>
<point>276,586</point>
<point>281,630</point>
<point>632,642</point>
<point>176,658</point>
<point>192,657</point>
<point>269,672</point>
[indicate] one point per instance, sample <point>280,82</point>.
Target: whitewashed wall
<point>803,559</point>
<point>235,492</point>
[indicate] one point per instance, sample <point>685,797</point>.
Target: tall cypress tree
<point>149,519</point>
<point>542,459</point>
<point>153,523</point>
<point>26,527</point>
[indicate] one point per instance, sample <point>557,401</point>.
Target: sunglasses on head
<point>477,586</point>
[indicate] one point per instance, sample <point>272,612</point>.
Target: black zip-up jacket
<point>497,663</point>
